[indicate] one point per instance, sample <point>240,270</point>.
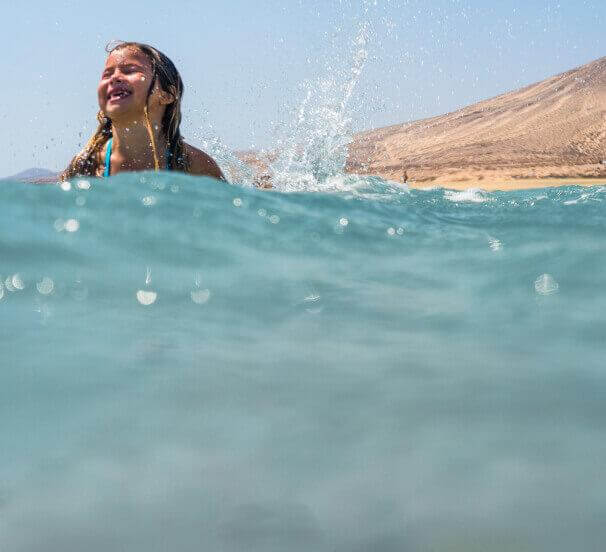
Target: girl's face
<point>123,88</point>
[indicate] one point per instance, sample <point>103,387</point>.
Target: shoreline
<point>508,185</point>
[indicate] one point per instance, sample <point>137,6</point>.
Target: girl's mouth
<point>118,95</point>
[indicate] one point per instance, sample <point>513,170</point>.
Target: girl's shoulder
<point>201,163</point>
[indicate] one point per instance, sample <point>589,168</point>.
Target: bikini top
<point>108,159</point>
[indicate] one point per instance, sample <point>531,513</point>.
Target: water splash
<point>315,146</point>
<point>233,167</point>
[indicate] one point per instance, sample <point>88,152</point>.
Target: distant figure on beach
<point>405,177</point>
<point>139,96</point>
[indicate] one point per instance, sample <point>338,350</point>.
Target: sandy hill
<point>553,129</point>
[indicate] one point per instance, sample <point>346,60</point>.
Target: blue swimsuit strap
<point>108,159</point>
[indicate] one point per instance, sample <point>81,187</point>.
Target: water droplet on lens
<point>149,201</point>
<point>59,225</point>
<point>262,212</point>
<point>391,231</point>
<point>546,285</point>
<point>71,225</point>
<point>45,286</point>
<point>80,201</point>
<point>237,202</point>
<point>174,188</point>
<point>65,186</point>
<point>1,290</point>
<point>343,221</point>
<point>274,219</point>
<point>400,231</point>
<point>17,282</point>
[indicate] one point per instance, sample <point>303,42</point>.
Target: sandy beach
<point>502,184</point>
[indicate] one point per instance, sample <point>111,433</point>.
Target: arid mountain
<point>553,129</point>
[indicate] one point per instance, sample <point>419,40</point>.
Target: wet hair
<point>87,162</point>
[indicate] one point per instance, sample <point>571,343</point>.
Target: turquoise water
<point>189,365</point>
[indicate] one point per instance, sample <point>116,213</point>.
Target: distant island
<point>34,174</point>
<point>549,133</point>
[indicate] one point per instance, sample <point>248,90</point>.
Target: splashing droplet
<point>83,185</point>
<point>71,225</point>
<point>494,244</point>
<point>8,284</point>
<point>546,285</point>
<point>313,302</point>
<point>146,297</point>
<point>79,291</point>
<point>200,296</point>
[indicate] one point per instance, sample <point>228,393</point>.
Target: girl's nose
<point>116,77</point>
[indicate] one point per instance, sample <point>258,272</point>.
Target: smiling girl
<point>139,97</point>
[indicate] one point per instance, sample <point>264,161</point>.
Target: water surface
<point>188,364</point>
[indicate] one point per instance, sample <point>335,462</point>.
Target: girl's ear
<point>166,98</point>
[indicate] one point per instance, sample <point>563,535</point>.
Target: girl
<point>139,96</point>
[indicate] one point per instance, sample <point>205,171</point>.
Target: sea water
<point>193,365</point>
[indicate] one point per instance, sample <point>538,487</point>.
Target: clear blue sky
<point>243,62</point>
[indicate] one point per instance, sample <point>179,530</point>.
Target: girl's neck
<point>131,145</point>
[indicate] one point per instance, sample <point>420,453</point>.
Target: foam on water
<point>474,195</point>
